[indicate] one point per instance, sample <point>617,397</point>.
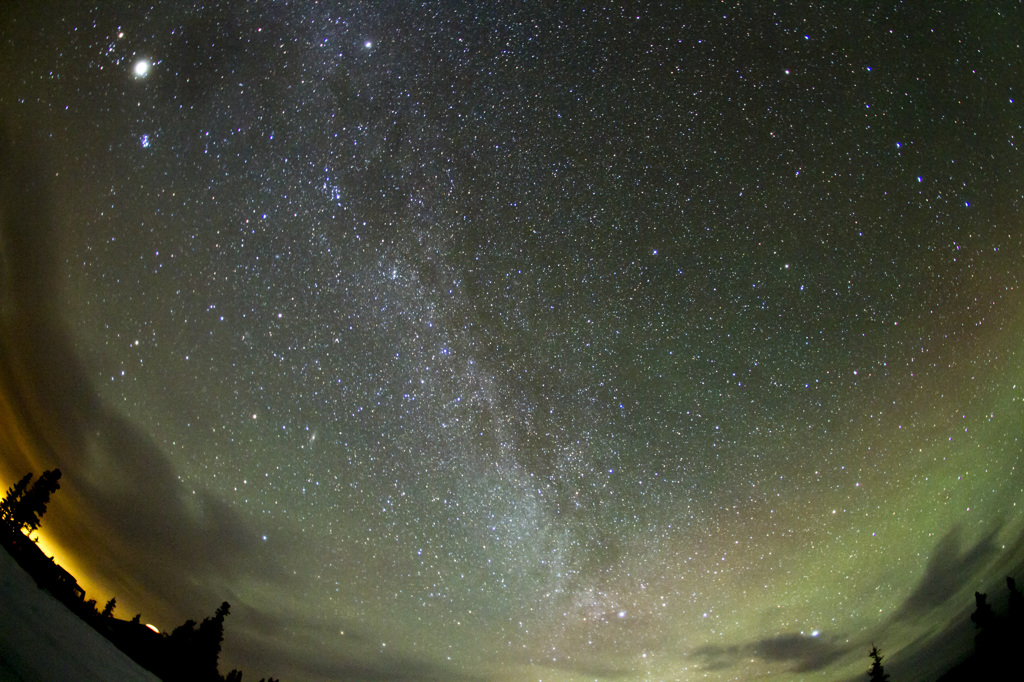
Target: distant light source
<point>141,68</point>
<point>153,628</point>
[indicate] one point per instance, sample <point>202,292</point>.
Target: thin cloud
<point>949,569</point>
<point>800,652</point>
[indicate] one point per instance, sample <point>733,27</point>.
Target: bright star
<point>141,68</point>
<point>368,44</point>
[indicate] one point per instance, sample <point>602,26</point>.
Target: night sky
<point>520,341</point>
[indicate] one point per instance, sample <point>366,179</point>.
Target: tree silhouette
<point>982,616</point>
<point>1016,601</point>
<point>211,635</point>
<point>27,508</point>
<point>108,610</point>
<point>876,673</point>
<point>984,620</point>
<point>180,644</point>
<point>193,652</point>
<point>12,499</point>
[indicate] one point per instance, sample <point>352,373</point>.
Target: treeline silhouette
<point>997,636</point>
<point>996,639</point>
<point>190,653</point>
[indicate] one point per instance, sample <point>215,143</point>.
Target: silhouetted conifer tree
<point>193,652</point>
<point>876,673</point>
<point>984,638</point>
<point>31,506</point>
<point>180,643</point>
<point>12,498</point>
<point>210,637</point>
<point>982,616</point>
<point>1016,601</point>
<point>108,610</point>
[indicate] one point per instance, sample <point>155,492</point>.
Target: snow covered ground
<point>41,640</point>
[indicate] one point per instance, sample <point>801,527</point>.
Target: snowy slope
<point>40,640</point>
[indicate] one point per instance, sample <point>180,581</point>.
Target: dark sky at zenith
<point>518,341</point>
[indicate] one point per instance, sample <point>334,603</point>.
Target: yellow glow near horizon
<point>65,561</point>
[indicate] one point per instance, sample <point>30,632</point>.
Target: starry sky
<point>522,341</point>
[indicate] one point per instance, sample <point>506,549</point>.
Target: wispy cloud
<point>802,653</point>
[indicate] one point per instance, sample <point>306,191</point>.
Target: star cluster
<point>554,341</point>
